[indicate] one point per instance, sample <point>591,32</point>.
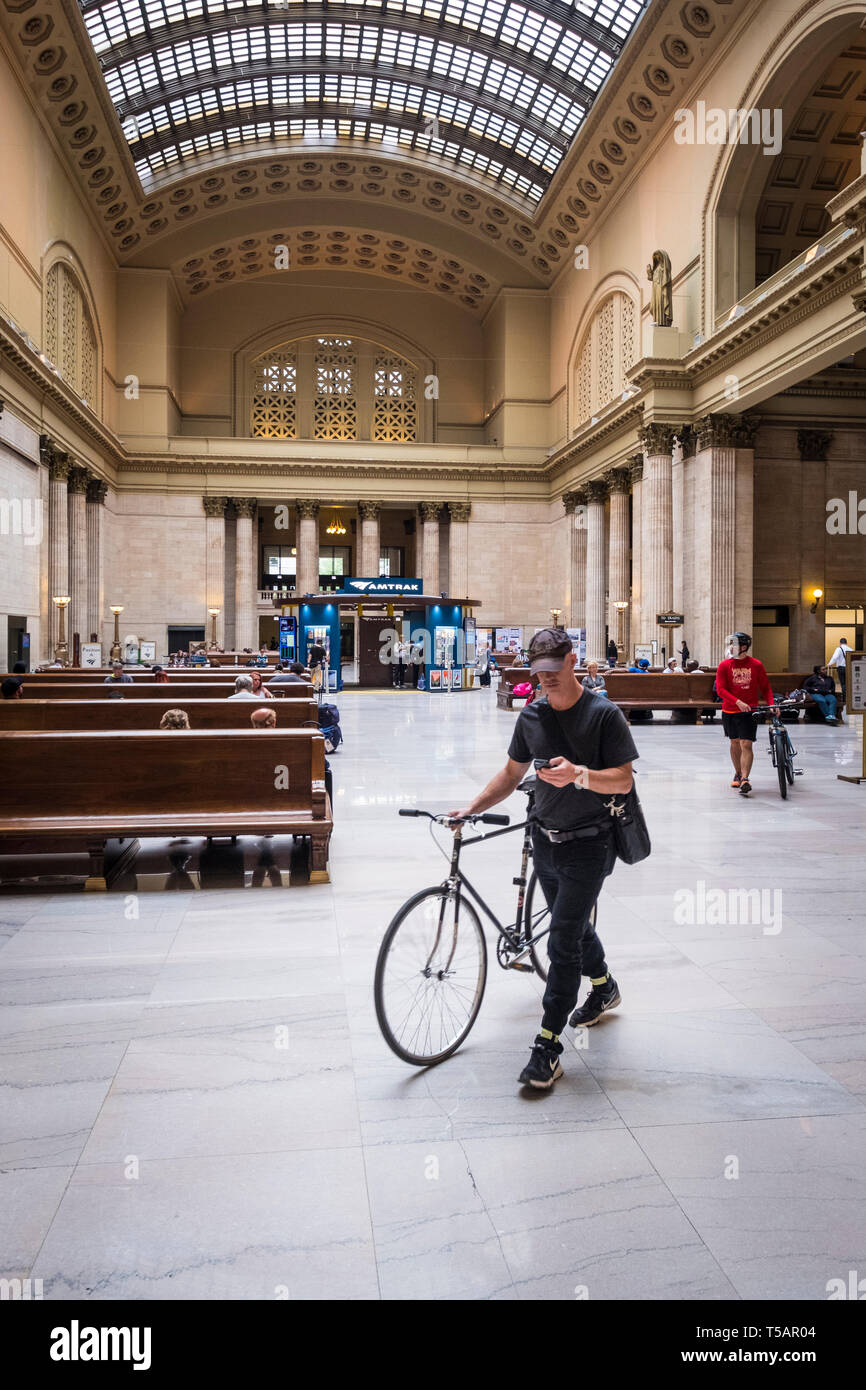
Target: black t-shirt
<point>593,732</point>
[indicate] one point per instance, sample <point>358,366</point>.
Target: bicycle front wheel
<point>536,919</point>
<point>430,977</point>
<point>789,761</point>
<point>779,760</point>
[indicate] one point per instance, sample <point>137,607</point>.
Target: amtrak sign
<point>383,585</point>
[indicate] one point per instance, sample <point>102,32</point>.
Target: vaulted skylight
<point>496,88</point>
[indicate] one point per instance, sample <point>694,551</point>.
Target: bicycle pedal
<point>798,771</point>
<point>520,965</point>
<point>519,882</point>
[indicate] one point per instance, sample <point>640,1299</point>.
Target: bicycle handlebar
<point>486,817</point>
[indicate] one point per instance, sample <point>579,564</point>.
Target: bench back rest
<point>172,773</point>
<point>85,715</point>
<point>153,690</point>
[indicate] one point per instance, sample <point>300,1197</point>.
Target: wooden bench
<point>155,690</point>
<point>688,696</point>
<point>78,791</point>
<point>84,716</point>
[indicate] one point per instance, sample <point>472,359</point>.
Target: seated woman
<point>258,688</point>
<point>174,719</point>
<point>593,681</point>
<point>821,687</point>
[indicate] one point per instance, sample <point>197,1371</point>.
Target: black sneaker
<point>745,787</point>
<point>543,1067</point>
<point>597,1002</point>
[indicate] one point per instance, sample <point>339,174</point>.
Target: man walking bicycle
<point>741,680</point>
<point>587,750</point>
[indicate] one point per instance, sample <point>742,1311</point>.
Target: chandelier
<point>336,527</point>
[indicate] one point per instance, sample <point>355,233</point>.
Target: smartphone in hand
<point>539,763</point>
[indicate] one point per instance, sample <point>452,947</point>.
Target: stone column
<point>575,507</point>
<point>76,613</point>
<point>215,565</point>
<point>430,546</point>
<point>806,632</point>
<point>58,533</point>
<point>618,579</point>
<point>370,545</point>
<point>596,492</point>
<point>245,575</point>
<point>307,578</point>
<point>96,490</point>
<point>458,549</point>
<point>716,535</point>
<point>657,558</point>
<point>635,473</point>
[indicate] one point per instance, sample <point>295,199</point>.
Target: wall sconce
<point>817,595</point>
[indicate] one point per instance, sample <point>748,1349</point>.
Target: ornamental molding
<point>596,491</point>
<point>215,507</point>
<point>97,491</point>
<point>78,479</point>
<point>459,511</point>
<point>307,508</point>
<point>430,511</point>
<point>244,506</point>
<point>657,438</point>
<point>617,480</point>
<point>369,511</point>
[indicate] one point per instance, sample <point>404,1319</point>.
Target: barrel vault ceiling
<point>457,145</point>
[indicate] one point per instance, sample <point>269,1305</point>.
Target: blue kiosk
<point>445,627</point>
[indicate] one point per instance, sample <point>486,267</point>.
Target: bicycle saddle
<point>528,784</point>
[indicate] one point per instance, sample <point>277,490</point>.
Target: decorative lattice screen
<point>608,350</point>
<point>70,341</point>
<point>335,408</point>
<point>395,410</point>
<point>273,409</point>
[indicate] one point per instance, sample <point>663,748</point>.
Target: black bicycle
<point>432,965</point>
<point>781,749</point>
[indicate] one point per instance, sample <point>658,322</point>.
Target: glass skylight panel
<point>182,56</point>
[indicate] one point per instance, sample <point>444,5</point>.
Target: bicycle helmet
<point>741,639</point>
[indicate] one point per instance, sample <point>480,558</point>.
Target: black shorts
<point>740,725</point>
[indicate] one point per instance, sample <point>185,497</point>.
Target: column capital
<point>657,437</point>
<point>96,490</point>
<point>58,467</point>
<point>47,450</point>
<point>688,440</point>
<point>813,445</point>
<point>245,506</point>
<point>369,511</point>
<point>308,510</point>
<point>746,430</point>
<point>616,480</point>
<point>574,499</point>
<point>430,511</point>
<point>716,431</point>
<point>215,506</point>
<point>78,478</point>
<point>459,511</point>
<point>635,468</point>
<point>596,490</point>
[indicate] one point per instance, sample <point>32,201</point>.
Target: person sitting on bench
<point>264,719</point>
<point>593,681</point>
<point>822,688</point>
<point>118,675</point>
<point>12,688</point>
<point>243,689</point>
<point>174,719</point>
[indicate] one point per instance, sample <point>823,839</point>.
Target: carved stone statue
<point>661,300</point>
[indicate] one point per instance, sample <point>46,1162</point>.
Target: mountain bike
<point>781,749</point>
<point>431,969</point>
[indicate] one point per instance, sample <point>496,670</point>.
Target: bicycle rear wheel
<point>789,760</point>
<point>430,977</point>
<point>778,745</point>
<point>536,919</point>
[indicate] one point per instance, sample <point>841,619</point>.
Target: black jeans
<point>571,876</point>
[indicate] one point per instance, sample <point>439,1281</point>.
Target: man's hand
<point>461,814</point>
<point>561,772</point>
<point>741,705</point>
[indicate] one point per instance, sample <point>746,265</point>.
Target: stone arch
<point>71,336</point>
<point>605,345</point>
<point>380,352</point>
<point>782,79</point>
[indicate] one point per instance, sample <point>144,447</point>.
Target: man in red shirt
<point>742,682</point>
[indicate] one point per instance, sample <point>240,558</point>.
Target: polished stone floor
<point>196,1102</point>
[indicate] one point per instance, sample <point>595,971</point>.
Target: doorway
<point>17,643</point>
<point>179,638</point>
<point>371,671</point>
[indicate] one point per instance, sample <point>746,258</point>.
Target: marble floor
<point>196,1101</point>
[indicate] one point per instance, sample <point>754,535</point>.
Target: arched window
<point>70,340</point>
<point>608,349</point>
<point>333,387</point>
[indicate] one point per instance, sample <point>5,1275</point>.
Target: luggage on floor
<point>329,723</point>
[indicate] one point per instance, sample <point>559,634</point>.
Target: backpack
<point>329,723</point>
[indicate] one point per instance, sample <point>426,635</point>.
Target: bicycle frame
<point>458,881</point>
